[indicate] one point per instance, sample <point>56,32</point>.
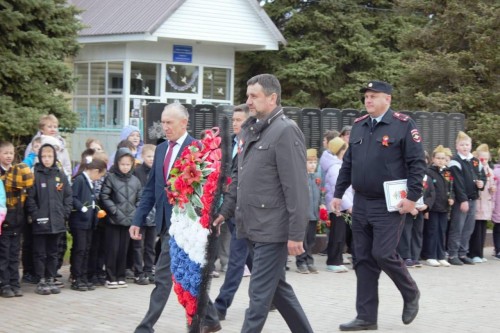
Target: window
<point>115,78</point>
<point>216,83</point>
<point>82,76</point>
<point>97,78</point>
<point>145,79</point>
<point>182,79</point>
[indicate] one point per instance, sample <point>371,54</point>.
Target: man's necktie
<point>168,157</point>
<point>374,123</point>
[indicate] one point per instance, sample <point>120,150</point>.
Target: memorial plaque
<point>331,120</point>
<point>456,123</point>
<point>311,127</point>
<point>294,114</point>
<point>224,111</point>
<point>439,130</point>
<point>424,125</point>
<point>348,117</point>
<point>204,118</point>
<point>153,131</point>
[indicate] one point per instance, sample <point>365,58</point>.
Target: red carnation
<point>323,214</point>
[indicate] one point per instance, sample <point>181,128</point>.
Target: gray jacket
<point>269,195</point>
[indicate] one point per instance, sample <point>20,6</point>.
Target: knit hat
<point>335,145</point>
<point>312,153</point>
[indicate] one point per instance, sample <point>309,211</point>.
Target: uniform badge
<point>385,141</point>
<point>415,135</point>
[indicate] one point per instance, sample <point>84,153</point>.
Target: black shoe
<point>151,277</point>
<point>17,292</point>
<point>129,274</point>
<point>358,325</point>
<point>455,261</point>
<point>222,316</point>
<point>410,310</point>
<point>79,286</point>
<point>212,328</point>
<point>7,292</point>
<point>142,280</point>
<point>90,286</point>
<point>467,260</point>
<point>29,278</point>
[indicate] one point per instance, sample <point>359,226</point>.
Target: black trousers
<point>477,239</point>
<point>62,247</point>
<point>376,234</point>
<point>144,251</point>
<point>46,254</point>
<point>306,258</point>
<point>10,245</point>
<point>410,243</point>
<point>496,237</point>
<point>336,240</point>
<point>27,252</point>
<point>268,285</point>
<point>82,240</point>
<point>117,240</point>
<point>97,254</point>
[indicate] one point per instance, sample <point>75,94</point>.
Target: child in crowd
<point>131,134</point>
<point>97,255</point>
<point>495,218</point>
<point>144,249</point>
<point>95,144</point>
<point>32,157</point>
<point>83,219</point>
<point>120,196</point>
<point>434,246</point>
<point>48,125</point>
<point>410,242</point>
<point>305,261</point>
<point>16,180</point>
<point>468,180</point>
<point>336,238</point>
<point>484,207</point>
<point>49,204</point>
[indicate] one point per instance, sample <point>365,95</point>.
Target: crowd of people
<point>116,211</point>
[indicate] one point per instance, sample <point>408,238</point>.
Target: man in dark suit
<point>269,198</point>
<point>174,120</point>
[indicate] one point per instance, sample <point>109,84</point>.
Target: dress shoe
<point>410,310</point>
<point>209,329</point>
<point>358,325</point>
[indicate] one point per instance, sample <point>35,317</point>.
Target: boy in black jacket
<point>468,180</point>
<point>120,195</point>
<point>144,249</point>
<point>49,204</point>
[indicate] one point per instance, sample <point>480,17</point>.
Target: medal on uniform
<point>385,141</point>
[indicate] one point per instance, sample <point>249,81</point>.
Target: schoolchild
<point>467,182</point>
<point>16,180</point>
<point>434,246</point>
<point>83,220</point>
<point>120,195</point>
<point>144,249</point>
<point>49,204</point>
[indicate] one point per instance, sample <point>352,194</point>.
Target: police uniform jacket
<point>269,192</point>
<point>391,151</point>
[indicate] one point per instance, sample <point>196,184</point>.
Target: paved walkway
<point>454,299</point>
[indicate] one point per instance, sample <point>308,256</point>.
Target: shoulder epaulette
<point>400,116</point>
<point>357,120</point>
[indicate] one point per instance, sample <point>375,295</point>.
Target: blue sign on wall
<point>183,53</point>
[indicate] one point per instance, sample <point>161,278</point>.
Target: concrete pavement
<point>454,299</point>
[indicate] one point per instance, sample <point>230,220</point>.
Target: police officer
<point>384,145</point>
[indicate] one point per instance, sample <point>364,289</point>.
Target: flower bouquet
<point>324,221</point>
<point>194,189</point>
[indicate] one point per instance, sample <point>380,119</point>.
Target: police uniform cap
<point>377,86</point>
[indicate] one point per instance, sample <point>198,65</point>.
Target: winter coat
<point>331,165</point>
<point>142,172</point>
<point>49,201</point>
<point>441,180</point>
<point>496,196</point>
<point>121,193</point>
<point>485,204</point>
<point>83,195</point>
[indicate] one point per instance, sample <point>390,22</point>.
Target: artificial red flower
<point>385,141</point>
<point>318,181</point>
<point>191,174</point>
<point>403,194</point>
<point>323,214</point>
